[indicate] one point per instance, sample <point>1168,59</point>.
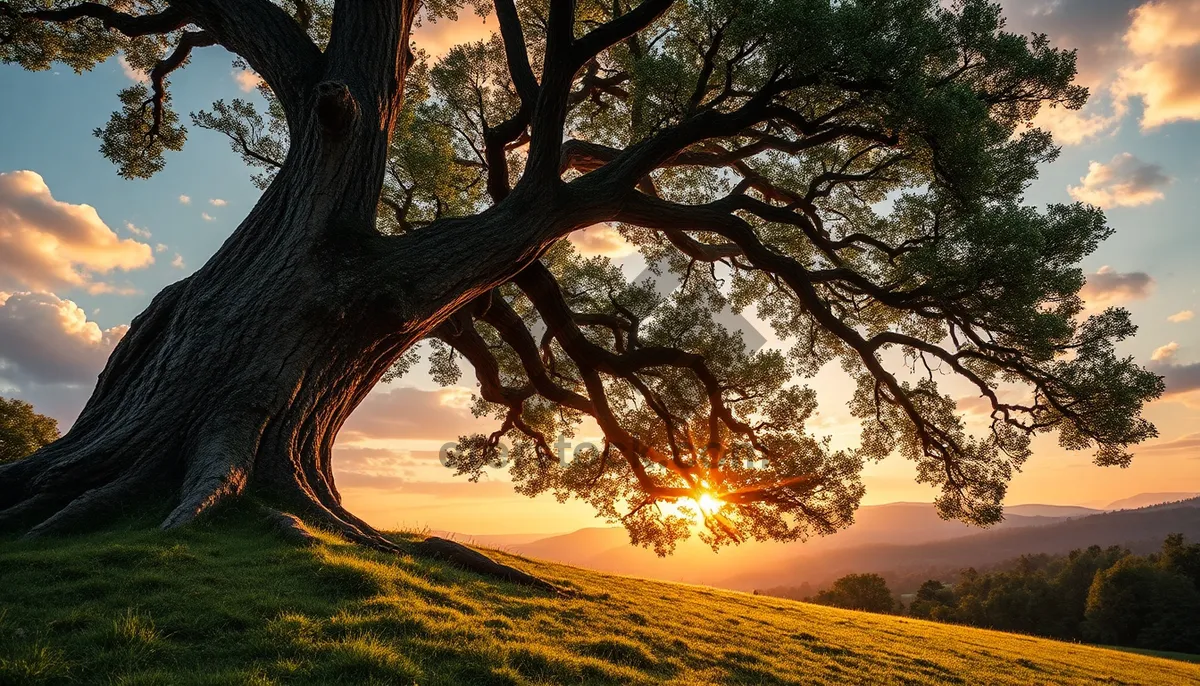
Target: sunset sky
<point>82,252</point>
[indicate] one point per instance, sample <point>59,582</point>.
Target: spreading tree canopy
<point>852,171</point>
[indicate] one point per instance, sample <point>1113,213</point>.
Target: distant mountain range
<point>1141,530</point>
<point>1148,499</point>
<point>901,538</point>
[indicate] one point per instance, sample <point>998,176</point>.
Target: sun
<point>708,504</point>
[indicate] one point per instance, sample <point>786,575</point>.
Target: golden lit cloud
<point>436,38</point>
<point>46,244</point>
<point>1161,25</point>
<point>1148,50</point>
<point>135,75</point>
<point>411,414</point>
<point>1181,316</point>
<point>247,80</point>
<point>1125,181</point>
<point>1188,442</point>
<point>601,239</point>
<point>1164,42</point>
<point>1072,127</point>
<point>1108,286</point>
<point>1165,353</point>
<point>1169,87</point>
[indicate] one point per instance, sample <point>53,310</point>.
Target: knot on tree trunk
<point>336,108</point>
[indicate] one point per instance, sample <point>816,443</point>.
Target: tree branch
<point>171,19</point>
<point>271,42</point>
<point>617,30</point>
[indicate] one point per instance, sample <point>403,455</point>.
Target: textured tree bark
<point>236,380</point>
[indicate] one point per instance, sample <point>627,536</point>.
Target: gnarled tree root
<point>289,526</point>
<point>475,561</point>
<point>292,528</point>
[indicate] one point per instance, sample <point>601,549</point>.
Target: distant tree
<point>855,172</point>
<point>934,600</point>
<point>1139,603</point>
<point>1104,595</point>
<point>1038,594</point>
<point>1182,557</point>
<point>868,592</point>
<point>22,430</point>
<point>932,590</point>
<point>1072,579</point>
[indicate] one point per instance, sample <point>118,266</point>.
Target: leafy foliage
<point>22,430</point>
<point>134,141</point>
<point>852,172</point>
<point>1101,595</point>
<point>867,592</point>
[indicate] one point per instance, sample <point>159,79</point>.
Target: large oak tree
<point>851,170</point>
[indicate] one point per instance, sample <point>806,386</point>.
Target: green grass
<point>228,602</point>
<point>1186,657</point>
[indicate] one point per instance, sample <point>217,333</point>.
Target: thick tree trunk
<point>238,378</point>
<point>235,379</point>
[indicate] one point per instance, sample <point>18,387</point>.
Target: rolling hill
<point>907,538</point>
<point>229,602</point>
<point>1058,511</point>
<point>608,549</point>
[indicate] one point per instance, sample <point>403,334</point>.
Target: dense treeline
<point>1100,595</point>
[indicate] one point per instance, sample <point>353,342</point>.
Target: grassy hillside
<point>231,603</point>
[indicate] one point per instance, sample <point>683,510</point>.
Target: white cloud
<point>206,216</point>
<point>45,340</point>
<point>177,262</point>
<point>137,230</point>
<point>1181,316</point>
<point>217,202</point>
<point>1165,353</point>
<point>50,353</point>
<point>1125,181</point>
<point>135,75</point>
<point>1108,286</point>
<point>46,244</point>
<point>247,80</point>
<point>185,200</point>
<point>161,247</point>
